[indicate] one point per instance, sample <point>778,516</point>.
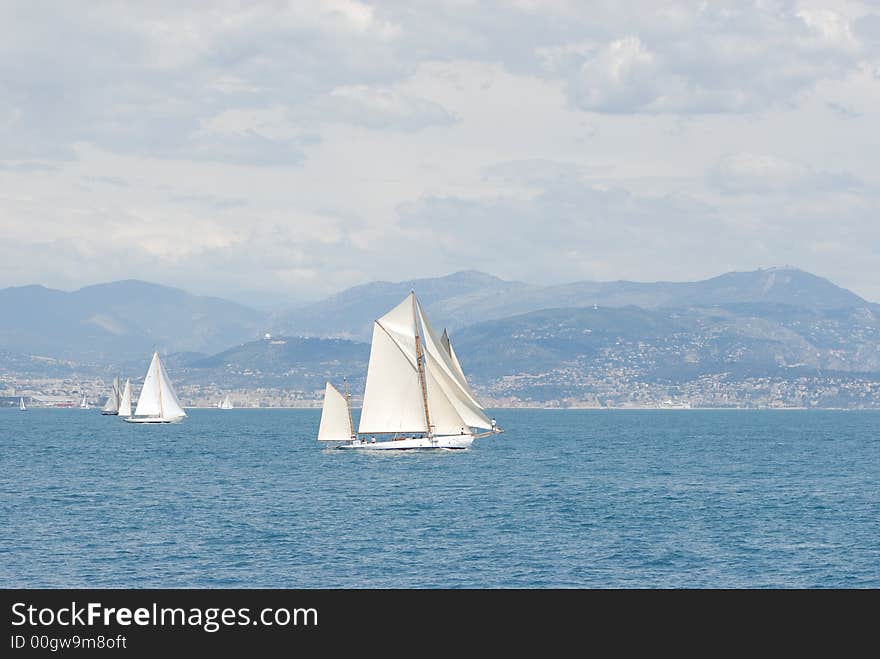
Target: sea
<point>562,499</point>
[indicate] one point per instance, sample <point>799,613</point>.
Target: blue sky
<point>293,149</point>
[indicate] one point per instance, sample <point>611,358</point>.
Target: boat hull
<point>151,419</point>
<point>443,442</point>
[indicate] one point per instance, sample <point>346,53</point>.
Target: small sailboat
<point>21,404</point>
<point>226,404</point>
<point>416,391</point>
<point>157,403</point>
<point>84,404</point>
<point>125,401</point>
<point>111,407</point>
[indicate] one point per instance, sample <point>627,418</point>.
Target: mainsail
<point>393,401</point>
<point>125,402</point>
<point>335,419</point>
<point>157,397</point>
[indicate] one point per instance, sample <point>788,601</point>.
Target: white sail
<point>84,404</point>
<point>148,402</point>
<point>157,397</point>
<point>21,404</point>
<point>335,421</point>
<point>457,365</point>
<point>112,404</point>
<point>445,419</point>
<point>125,402</point>
<point>393,397</point>
<point>450,377</point>
<point>171,408</point>
<point>226,404</point>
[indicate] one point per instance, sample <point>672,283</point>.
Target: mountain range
<point>549,340</point>
<point>119,320</point>
<point>469,297</point>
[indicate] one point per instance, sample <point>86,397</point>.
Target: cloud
<point>145,79</point>
<point>570,230</point>
<point>741,58</point>
<point>761,174</point>
<point>301,148</point>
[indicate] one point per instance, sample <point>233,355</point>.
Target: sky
<point>278,152</point>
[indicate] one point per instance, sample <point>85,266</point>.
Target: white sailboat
<point>157,403</point>
<point>226,404</point>
<point>111,407</point>
<point>84,404</point>
<point>416,391</point>
<point>125,401</point>
<point>21,404</point>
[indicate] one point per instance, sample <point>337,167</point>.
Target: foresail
<point>392,396</point>
<point>445,419</point>
<point>171,408</point>
<point>335,425</point>
<point>449,376</point>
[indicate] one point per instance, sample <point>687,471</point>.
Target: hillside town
<point>558,389</point>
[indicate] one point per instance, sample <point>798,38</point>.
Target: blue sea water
<point>247,498</point>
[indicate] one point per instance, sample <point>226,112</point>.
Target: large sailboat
<point>416,392</point>
<point>157,403</point>
<point>111,407</point>
<point>125,400</point>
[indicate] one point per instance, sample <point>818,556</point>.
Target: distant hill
<point>290,362</point>
<point>351,313</point>
<point>470,297</point>
<point>119,321</point>
<point>744,340</point>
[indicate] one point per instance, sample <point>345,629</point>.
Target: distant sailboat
<point>415,391</point>
<point>226,404</point>
<point>157,403</point>
<point>84,404</point>
<point>125,401</point>
<point>21,404</point>
<point>111,407</point>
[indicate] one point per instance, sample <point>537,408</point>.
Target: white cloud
<point>302,148</point>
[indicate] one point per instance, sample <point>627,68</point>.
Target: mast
<point>420,361</point>
<point>348,406</point>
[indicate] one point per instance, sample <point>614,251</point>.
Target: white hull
<point>449,442</point>
<point>152,419</point>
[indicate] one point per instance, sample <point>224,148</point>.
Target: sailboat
<point>125,401</point>
<point>416,391</point>
<point>112,405</point>
<point>226,404</point>
<point>84,404</point>
<point>157,403</point>
<point>21,404</point>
